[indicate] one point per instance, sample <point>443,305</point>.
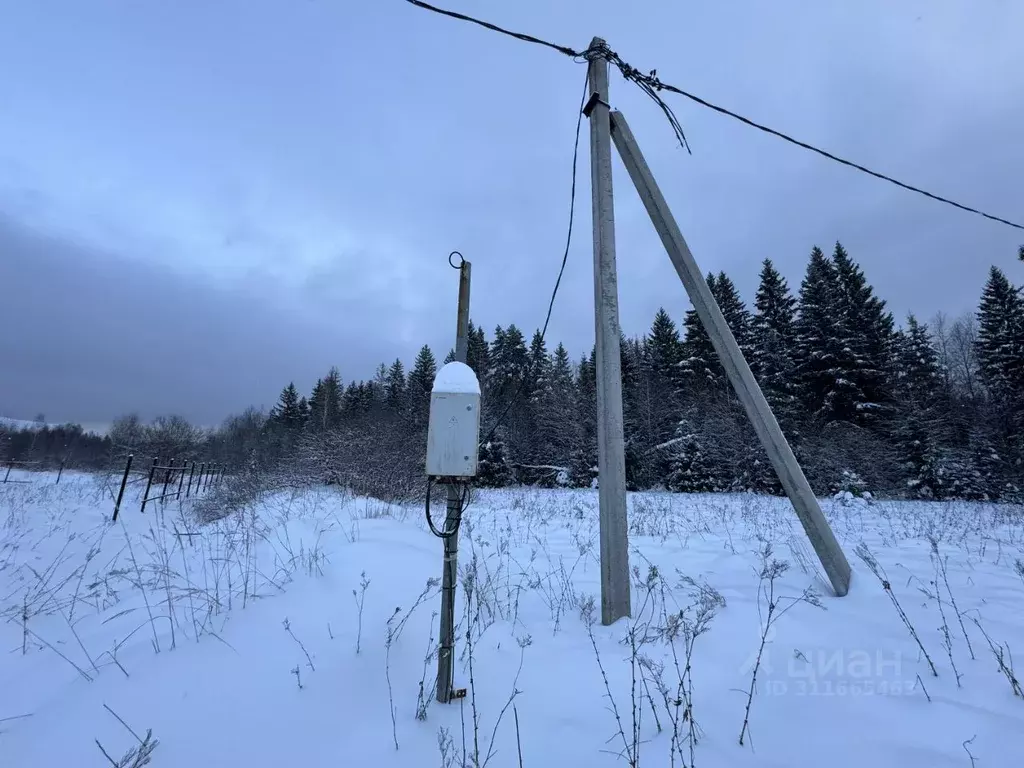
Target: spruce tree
<point>420,383</point>
<point>509,363</point>
<point>735,313</point>
<point>538,363</point>
<point>916,448</point>
<point>701,366</point>
<point>990,469</point>
<point>1000,345</point>
<point>539,393</point>
<point>351,398</point>
<point>478,353</point>
<point>1000,351</point>
<point>325,403</point>
<point>286,420</point>
<point>316,399</point>
<point>493,467</point>
<point>661,391</point>
<point>559,406</point>
<point>691,470</point>
<point>920,420</point>
<point>706,388</point>
<point>506,385</point>
<point>823,353</point>
<point>630,367</point>
<point>287,414</point>
<point>774,332</point>
<point>663,355</point>
<point>918,379</point>
<point>869,334</point>
<point>379,390</point>
<point>583,457</point>
<point>358,402</point>
<point>395,390</point>
<point>700,369</point>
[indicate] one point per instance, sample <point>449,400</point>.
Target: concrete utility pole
<point>768,431</point>
<point>611,448</point>
<point>449,572</point>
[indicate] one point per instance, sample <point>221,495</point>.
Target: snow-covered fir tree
<point>418,387</point>
<point>478,353</point>
<point>699,366</point>
<point>395,390</point>
<point>552,405</point>
<point>869,334</point>
<point>774,334</point>
<point>823,349</point>
<point>1001,336</point>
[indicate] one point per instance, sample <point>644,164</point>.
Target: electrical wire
<point>561,269</point>
<point>651,85</point>
<point>495,28</point>
<point>464,502</point>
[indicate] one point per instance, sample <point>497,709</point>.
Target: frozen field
<point>303,633</point>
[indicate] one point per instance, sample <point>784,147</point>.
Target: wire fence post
<point>124,482</point>
<point>181,481</point>
<point>9,466</point>
<point>167,481</point>
<point>149,483</point>
<point>191,474</point>
<point>60,471</point>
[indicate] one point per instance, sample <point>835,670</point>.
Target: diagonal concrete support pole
<point>768,431</point>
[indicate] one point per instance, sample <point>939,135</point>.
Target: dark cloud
<point>284,180</point>
<point>87,336</point>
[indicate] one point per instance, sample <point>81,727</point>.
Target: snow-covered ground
<point>303,632</point>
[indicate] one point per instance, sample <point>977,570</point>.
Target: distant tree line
<point>166,437</point>
<point>922,411</point>
<point>929,411</point>
<point>46,447</point>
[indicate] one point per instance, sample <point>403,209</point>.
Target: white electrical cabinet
<point>453,434</point>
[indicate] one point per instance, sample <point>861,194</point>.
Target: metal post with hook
<point>449,573</point>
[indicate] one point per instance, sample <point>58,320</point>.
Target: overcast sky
<point>201,200</point>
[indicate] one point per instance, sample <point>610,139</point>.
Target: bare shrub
<point>775,607</point>
<point>875,567</point>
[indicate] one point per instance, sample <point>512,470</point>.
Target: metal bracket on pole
<point>768,431</point>
<point>593,101</point>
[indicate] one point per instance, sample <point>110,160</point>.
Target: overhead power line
<point>652,86</point>
<point>495,28</point>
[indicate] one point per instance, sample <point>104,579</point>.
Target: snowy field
<point>303,633</point>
